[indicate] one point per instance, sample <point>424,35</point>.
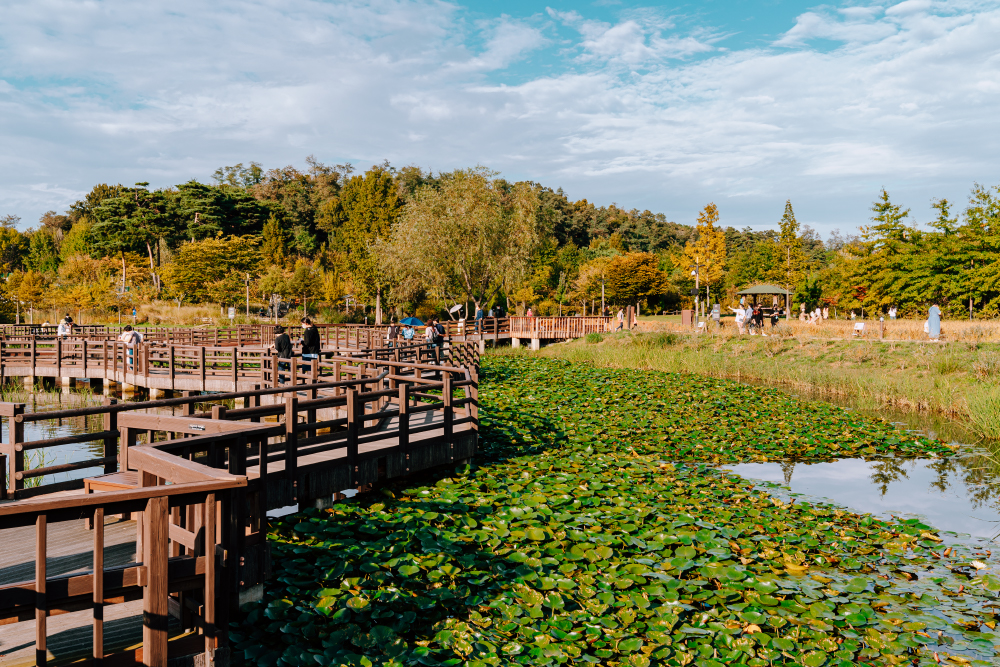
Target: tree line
<point>410,241</point>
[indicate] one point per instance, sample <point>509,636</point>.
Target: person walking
<point>393,334</point>
<point>934,322</point>
<point>621,319</point>
<point>283,348</point>
<point>749,321</point>
<point>479,318</point>
<point>131,339</point>
<point>310,341</point>
<point>740,319</point>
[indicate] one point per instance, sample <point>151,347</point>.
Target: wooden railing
<point>173,565</point>
<point>207,479</point>
<point>559,327</point>
<point>184,367</point>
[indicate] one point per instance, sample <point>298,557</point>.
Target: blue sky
<point>663,107</point>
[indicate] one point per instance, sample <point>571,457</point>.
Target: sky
<point>664,107</point>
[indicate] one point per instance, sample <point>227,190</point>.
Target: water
<point>959,495</point>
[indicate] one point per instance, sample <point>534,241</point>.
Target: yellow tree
<point>706,252</point>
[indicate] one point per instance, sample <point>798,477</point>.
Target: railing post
<point>41,605</point>
<point>15,462</point>
<point>202,359</point>
<point>110,441</point>
<point>404,424</point>
<point>155,594</point>
<point>208,520</point>
<point>352,435</point>
<point>98,599</point>
<point>171,366</point>
<point>236,369</point>
<point>449,414</point>
<point>291,440</point>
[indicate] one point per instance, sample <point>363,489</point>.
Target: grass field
<point>958,379</point>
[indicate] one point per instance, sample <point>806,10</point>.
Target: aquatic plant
<point>589,533</point>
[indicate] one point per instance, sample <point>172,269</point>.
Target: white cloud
<point>635,111</point>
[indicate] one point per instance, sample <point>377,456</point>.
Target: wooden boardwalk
<point>206,481</point>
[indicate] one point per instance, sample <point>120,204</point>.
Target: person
<point>310,341</point>
<point>66,327</point>
<point>393,334</point>
<point>440,330</point>
<point>775,315</point>
<point>479,318</point>
<point>892,312</point>
<point>934,322</point>
<point>46,324</point>
<point>853,316</point>
<point>407,332</point>
<point>429,334</point>
<point>621,319</point>
<point>529,313</point>
<point>758,314</point>
<point>749,320</point>
<point>131,339</point>
<point>740,319</point>
<point>826,312</point>
<point>283,347</point>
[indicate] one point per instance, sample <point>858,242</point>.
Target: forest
<point>345,245</point>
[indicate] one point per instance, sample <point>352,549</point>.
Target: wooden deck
<point>165,584</point>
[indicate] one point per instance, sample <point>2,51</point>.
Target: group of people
<point>814,316</point>
<point>750,318</point>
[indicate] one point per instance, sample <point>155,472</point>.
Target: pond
<point>959,495</point>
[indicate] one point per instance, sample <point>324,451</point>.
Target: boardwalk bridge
<point>155,531</point>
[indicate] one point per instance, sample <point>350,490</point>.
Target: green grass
<point>590,532</point>
<point>953,379</point>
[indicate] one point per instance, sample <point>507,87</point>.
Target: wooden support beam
<point>41,606</point>
<point>155,610</point>
<point>98,652</point>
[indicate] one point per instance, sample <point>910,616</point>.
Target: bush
<point>594,337</point>
<point>987,366</point>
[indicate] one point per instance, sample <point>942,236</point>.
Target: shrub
<point>987,366</point>
<point>594,337</point>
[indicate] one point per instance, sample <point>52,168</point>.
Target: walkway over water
<point>181,509</point>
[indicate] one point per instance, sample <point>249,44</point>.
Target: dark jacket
<point>310,340</point>
<point>283,344</point>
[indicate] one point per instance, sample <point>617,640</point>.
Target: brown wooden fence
<point>205,478</point>
<point>542,328</point>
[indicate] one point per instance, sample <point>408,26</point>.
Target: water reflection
<point>960,494</point>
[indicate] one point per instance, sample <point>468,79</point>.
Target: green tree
<point>305,282</point>
<point>364,215</point>
<point>472,236</point>
<point>274,248</point>
<point>130,220</point>
<point>197,266</point>
<point>43,255</point>
<point>13,247</point>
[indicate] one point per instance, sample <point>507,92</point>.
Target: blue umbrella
<point>411,322</point>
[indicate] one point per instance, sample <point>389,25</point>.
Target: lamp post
<point>697,286</point>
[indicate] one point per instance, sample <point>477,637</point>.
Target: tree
<point>196,266</point>
<point>707,250</point>
<point>361,219</point>
<point>128,220</point>
<point>273,250</point>
<point>470,237</point>
<point>790,270</point>
<point>305,282</point>
<point>13,248</point>
<point>635,276</point>
<point>43,255</point>
<point>28,288</point>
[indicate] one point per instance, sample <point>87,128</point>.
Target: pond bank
<point>958,380</point>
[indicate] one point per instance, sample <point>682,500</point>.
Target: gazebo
<point>757,290</point>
